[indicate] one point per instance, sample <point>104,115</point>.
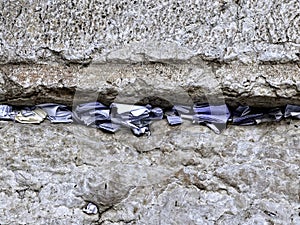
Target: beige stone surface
<point>256,85</point>
<point>161,52</point>
<point>179,175</point>
<point>138,31</point>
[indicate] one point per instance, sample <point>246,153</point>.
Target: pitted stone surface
<point>138,31</point>
<point>246,175</point>
<point>238,51</point>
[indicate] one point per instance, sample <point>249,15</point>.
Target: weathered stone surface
<point>162,52</point>
<point>135,31</point>
<point>256,85</point>
<point>184,175</point>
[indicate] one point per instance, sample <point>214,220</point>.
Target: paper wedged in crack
<point>57,113</point>
<point>34,116</point>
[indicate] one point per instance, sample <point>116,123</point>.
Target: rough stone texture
<point>135,31</point>
<point>220,48</point>
<point>256,85</point>
<point>181,175</point>
<point>162,52</point>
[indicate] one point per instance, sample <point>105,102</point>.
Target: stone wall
<point>250,48</point>
<point>146,31</point>
<point>162,52</point>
